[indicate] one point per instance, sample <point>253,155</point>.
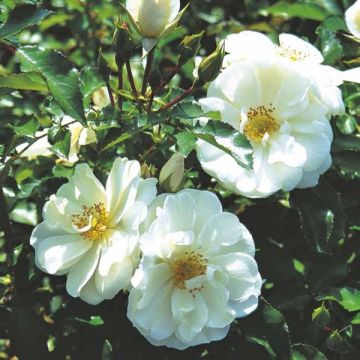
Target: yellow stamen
<point>188,266</point>
<point>292,54</point>
<point>96,216</point>
<point>260,122</point>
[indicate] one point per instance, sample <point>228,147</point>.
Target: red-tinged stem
<point>177,100</point>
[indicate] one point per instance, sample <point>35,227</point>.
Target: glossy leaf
<point>62,78</point>
<point>322,217</point>
<point>22,17</point>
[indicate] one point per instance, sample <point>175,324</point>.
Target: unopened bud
<point>189,47</point>
<point>334,342</point>
<point>172,173</point>
<point>103,67</point>
<point>124,44</point>
<point>211,66</point>
<point>101,97</point>
<point>321,316</point>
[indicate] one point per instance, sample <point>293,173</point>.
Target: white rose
<point>352,18</point>
<point>197,274</point>
<point>153,16</point>
<point>275,107</point>
<point>80,135</point>
<point>251,45</point>
<point>91,232</point>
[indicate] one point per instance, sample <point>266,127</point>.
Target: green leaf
<point>62,146</point>
<point>228,140</point>
<point>296,9</point>
<point>60,171</point>
<point>267,327</point>
<point>346,143</point>
<point>356,319</point>
<point>26,128</point>
<point>22,17</point>
<point>186,142</point>
<point>61,77</point>
<point>306,352</point>
<point>90,81</point>
<point>347,297</point>
<point>322,217</point>
<point>24,81</point>
<point>187,110</point>
<point>331,46</point>
<point>94,321</point>
<point>25,213</point>
<point>348,163</point>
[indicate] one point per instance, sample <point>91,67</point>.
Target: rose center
<point>260,122</point>
<point>92,222</point>
<point>188,266</point>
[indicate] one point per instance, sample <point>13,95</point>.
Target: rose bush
<point>156,157</point>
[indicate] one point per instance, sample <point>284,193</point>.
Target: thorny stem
<point>132,83</point>
<point>148,68</point>
<point>161,86</point>
<point>111,95</point>
<point>178,99</point>
<point>120,86</point>
<point>131,79</point>
<point>168,79</point>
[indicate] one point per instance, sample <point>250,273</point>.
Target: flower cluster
<point>197,271</point>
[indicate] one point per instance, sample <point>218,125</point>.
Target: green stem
<point>148,68</point>
<point>5,226</point>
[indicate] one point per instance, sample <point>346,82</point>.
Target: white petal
<point>311,178</point>
<point>117,278</point>
<point>174,9</point>
<point>42,232</point>
<point>317,149</point>
<point>134,216</point>
<point>216,297</point>
<point>246,307</point>
<point>58,212</point>
<point>157,277</point>
<point>243,273</point>
<point>352,17</point>
<point>195,321</point>
<point>309,52</point>
<point>116,251</point>
<point>133,7</point>
<point>182,303</point>
<point>352,75</point>
<point>89,293</point>
<point>249,45</point>
<point>121,188</point>
<point>55,253</point>
<point>83,188</point>
<point>206,205</point>
<point>239,85</point>
<point>229,114</point>
<point>81,273</point>
<point>225,229</point>
<point>146,191</point>
<point>180,212</point>
<point>285,149</point>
